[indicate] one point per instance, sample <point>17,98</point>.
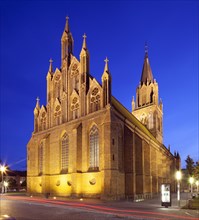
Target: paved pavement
<point>32,208</point>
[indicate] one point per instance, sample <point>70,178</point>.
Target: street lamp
<point>178,177</point>
<point>197,183</point>
<point>6,186</point>
<point>191,180</point>
<point>3,169</point>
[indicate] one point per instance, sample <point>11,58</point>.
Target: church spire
<point>84,57</point>
<point>84,51</point>
<point>36,115</point>
<point>67,29</point>
<point>106,69</point>
<point>147,75</point>
<point>84,42</point>
<point>66,44</point>
<point>106,84</point>
<point>37,107</point>
<point>37,103</point>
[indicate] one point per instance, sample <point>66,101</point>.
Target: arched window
<point>94,148</point>
<point>41,158</point>
<point>151,95</point>
<point>64,152</point>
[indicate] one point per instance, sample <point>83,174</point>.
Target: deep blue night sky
<point>30,34</point>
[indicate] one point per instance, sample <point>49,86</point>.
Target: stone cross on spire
<point>106,65</point>
<point>51,65</point>
<point>37,104</point>
<point>84,41</point>
<point>146,49</point>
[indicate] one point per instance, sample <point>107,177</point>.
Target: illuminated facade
<point>87,144</point>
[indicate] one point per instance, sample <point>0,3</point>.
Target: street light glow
<point>178,175</point>
<point>3,168</point>
<point>191,180</point>
<point>197,183</point>
<point>5,184</point>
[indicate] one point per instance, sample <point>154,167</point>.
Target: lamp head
<point>178,175</point>
<point>3,168</point>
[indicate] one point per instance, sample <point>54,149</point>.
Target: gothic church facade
<point>85,143</point>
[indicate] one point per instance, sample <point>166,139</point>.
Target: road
<point>36,208</point>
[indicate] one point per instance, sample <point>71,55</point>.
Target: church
<point>85,143</point>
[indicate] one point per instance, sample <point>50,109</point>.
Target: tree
<point>196,170</point>
<point>12,183</point>
<point>190,165</point>
<point>24,183</point>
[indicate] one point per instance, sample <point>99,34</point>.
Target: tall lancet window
<point>94,148</point>
<point>64,152</point>
<point>41,158</point>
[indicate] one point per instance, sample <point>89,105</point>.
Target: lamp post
<point>178,177</point>
<point>197,183</point>
<point>191,180</point>
<point>3,169</point>
<point>6,186</point>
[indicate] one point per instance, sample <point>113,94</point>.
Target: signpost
<point>166,195</point>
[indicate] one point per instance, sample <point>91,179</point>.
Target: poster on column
<point>166,194</point>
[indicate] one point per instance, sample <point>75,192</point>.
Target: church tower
<point>66,45</point>
<point>147,108</point>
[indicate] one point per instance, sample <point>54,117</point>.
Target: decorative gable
<point>57,75</point>
<point>74,100</point>
<point>74,68</point>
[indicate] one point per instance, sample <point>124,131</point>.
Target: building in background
<point>14,180</point>
<point>87,144</point>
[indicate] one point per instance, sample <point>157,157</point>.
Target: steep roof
<point>120,108</point>
<point>146,71</point>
